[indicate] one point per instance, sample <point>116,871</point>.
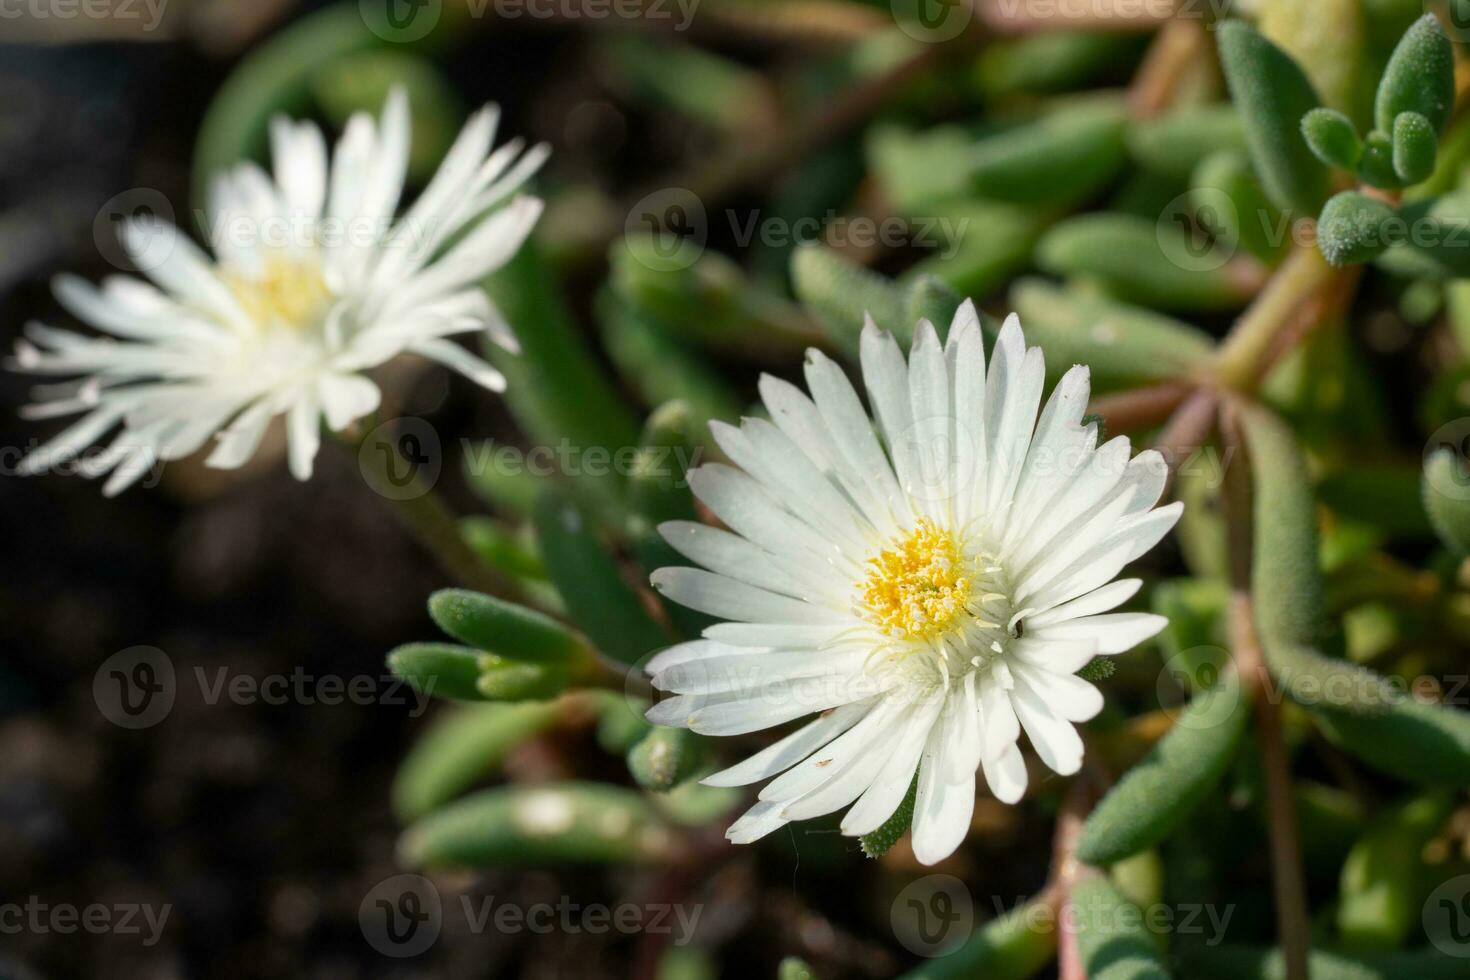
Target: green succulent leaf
<point>508,680</point>
<point>1333,138</point>
<point>1158,794</point>
<point>515,632</point>
<point>666,757</point>
<point>1420,77</point>
<point>600,600</point>
<point>530,825</point>
<point>1176,143</point>
<point>1059,159</point>
<point>1273,94</point>
<point>792,968</point>
<point>1201,962</point>
<point>463,745</point>
<point>1414,147</point>
<point>1156,264</point>
<point>840,293</point>
<point>438,669</point>
<point>1358,709</point>
<point>1446,491</point>
<point>1122,344</point>
<point>1112,938</point>
<point>1355,228</point>
<point>1014,946</point>
<point>1381,895</point>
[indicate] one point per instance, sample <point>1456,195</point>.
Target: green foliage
<point>462,746</point>
<point>1420,77</point>
<point>1354,228</point>
<point>598,597</point>
<point>1012,947</point>
<point>1272,95</point>
<point>1145,262</point>
<point>792,968</point>
<point>438,669</point>
<point>1333,138</point>
<point>666,757</point>
<point>1414,147</point>
<point>841,293</point>
<point>1449,510</point>
<point>1382,895</point>
<point>536,825</point>
<point>487,623</point>
<point>1158,794</point>
<point>1122,344</point>
<point>1059,159</point>
<point>1176,143</point>
<point>1111,936</point>
<point>1241,963</point>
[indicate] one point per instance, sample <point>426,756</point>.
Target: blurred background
<point>698,146</point>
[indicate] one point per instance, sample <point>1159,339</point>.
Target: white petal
<point>792,749</point>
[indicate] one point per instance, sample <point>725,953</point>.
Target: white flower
<point>931,589</point>
<point>312,283</point>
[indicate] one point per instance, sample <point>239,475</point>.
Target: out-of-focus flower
<point>312,282</point>
<point>930,589</point>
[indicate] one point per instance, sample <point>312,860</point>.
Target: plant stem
<point>1240,363</point>
<point>1286,853</point>
<point>1292,924</point>
<point>1140,408</point>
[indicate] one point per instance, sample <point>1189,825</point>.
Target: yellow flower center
<point>293,293</point>
<point>919,588</point>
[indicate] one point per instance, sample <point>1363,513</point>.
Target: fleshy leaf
<point>1273,95</point>
<point>1159,794</point>
<point>1111,936</point>
<point>1420,77</point>
<point>518,826</point>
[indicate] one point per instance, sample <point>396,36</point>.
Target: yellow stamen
<point>291,292</point>
<point>919,588</point>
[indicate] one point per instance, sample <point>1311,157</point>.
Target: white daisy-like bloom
<point>929,586</point>
<point>311,283</point>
